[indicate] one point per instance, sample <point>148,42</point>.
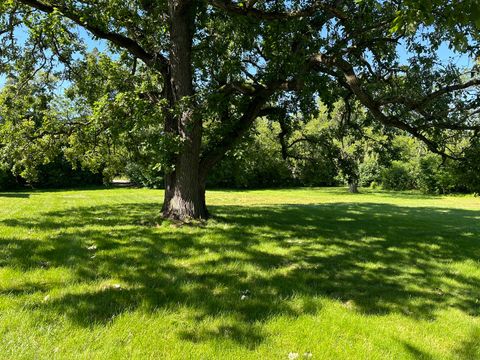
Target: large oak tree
<point>214,66</point>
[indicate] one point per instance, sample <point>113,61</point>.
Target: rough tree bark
<point>184,187</point>
<point>353,187</point>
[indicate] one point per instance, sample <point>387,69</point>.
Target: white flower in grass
<point>245,294</point>
<point>92,247</point>
<point>293,356</point>
<point>307,354</point>
<point>107,287</point>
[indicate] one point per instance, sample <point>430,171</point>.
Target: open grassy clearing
<point>87,274</point>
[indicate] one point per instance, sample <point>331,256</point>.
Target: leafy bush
<point>144,175</point>
<point>426,174</point>
<point>253,166</point>
<point>57,174</point>
<point>370,172</point>
<point>61,174</point>
<point>398,177</point>
<point>435,177</point>
<point>320,172</point>
<point>468,171</point>
<point>7,180</point>
<point>255,163</point>
<point>374,185</point>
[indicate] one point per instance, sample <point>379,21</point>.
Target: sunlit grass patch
<point>90,274</point>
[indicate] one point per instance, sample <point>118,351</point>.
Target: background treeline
<point>258,163</point>
<point>339,147</point>
<point>334,149</point>
<point>56,174</point>
<point>406,165</point>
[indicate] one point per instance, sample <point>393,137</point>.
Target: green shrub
<point>426,174</point>
<point>7,180</point>
<point>468,171</point>
<point>56,174</point>
<point>434,176</point>
<point>374,185</point>
<point>61,174</point>
<point>370,172</point>
<point>398,177</point>
<point>144,175</point>
<point>255,167</point>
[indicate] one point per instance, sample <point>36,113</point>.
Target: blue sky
<point>445,54</point>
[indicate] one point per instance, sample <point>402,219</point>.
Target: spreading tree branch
<point>374,106</point>
<point>250,11</point>
<point>155,60</point>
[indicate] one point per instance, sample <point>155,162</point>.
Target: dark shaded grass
<point>18,195</point>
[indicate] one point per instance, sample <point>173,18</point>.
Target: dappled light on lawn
<point>282,272</point>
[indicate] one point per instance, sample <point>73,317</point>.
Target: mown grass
<point>87,274</point>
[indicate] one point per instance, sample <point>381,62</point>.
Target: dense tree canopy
<point>182,81</point>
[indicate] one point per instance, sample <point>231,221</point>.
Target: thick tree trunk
<point>184,188</point>
<point>171,128</point>
<point>184,201</point>
<point>353,187</point>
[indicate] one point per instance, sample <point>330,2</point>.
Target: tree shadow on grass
<point>470,348</point>
<point>467,349</point>
<point>416,353</point>
<point>376,258</point>
<point>246,334</point>
<point>18,195</point>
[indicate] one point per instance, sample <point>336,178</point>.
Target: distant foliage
<point>60,174</point>
<point>56,174</point>
<point>370,172</point>
<point>321,153</point>
<point>144,175</point>
<point>7,180</point>
<point>434,177</point>
<point>256,163</point>
<point>398,177</point>
<point>469,170</point>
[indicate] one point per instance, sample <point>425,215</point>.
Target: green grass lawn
<point>88,274</point>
